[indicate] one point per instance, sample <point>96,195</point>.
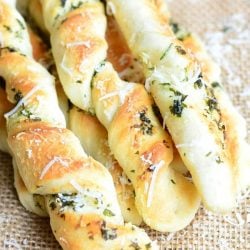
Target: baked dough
<point>205,127</point>
<point>121,105</point>
<point>80,195</point>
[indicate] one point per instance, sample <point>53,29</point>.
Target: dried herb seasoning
<point>108,233</point>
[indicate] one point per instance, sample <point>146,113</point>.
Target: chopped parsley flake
<point>209,153</point>
<point>21,24</point>
<point>179,32</point>
<point>63,2</point>
<point>74,7</point>
<point>180,50</point>
<point>212,104</point>
<point>8,28</point>
<point>108,233</point>
<point>145,126</point>
<point>135,245</point>
<point>166,51</point>
<point>108,212</point>
<point>198,84</point>
<point>218,160</point>
<point>173,181</point>
<point>18,96</point>
<point>52,205</point>
<point>215,84</point>
<point>178,104</point>
<point>27,113</point>
<point>175,27</point>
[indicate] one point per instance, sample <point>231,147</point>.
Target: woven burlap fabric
<point>212,20</point>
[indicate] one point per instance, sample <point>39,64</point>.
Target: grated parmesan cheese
<point>51,163</point>
<point>170,236</point>
<point>23,101</point>
<point>221,45</point>
<point>63,240</point>
<point>147,159</point>
<point>29,153</point>
<point>78,43</point>
<point>152,183</point>
<point>76,185</point>
<point>238,221</point>
<point>122,93</point>
<point>64,67</point>
<point>110,9</point>
<point>12,243</point>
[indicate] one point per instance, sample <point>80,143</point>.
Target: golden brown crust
<point>109,94</point>
<point>33,203</point>
<point>144,157</point>
<point>68,31</point>
<point>94,139</point>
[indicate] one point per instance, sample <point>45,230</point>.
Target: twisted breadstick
<point>94,138</point>
<point>91,133</point>
<point>204,125</point>
<point>136,138</point>
<point>32,202</point>
<point>80,196</point>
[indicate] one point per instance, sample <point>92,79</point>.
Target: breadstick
<point>211,72</point>
<point>212,75</point>
<point>136,138</point>
<point>202,123</point>
<point>32,202</point>
<point>80,196</point>
<point>90,132</point>
<point>94,138</point>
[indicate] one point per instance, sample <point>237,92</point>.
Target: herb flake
<point>108,233</point>
<point>166,51</point>
<point>180,50</point>
<point>173,181</point>
<point>108,212</point>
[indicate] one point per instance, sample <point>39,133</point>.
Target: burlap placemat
<point>224,27</point>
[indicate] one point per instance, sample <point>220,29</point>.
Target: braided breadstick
<point>80,196</point>
<point>136,138</point>
<point>203,124</point>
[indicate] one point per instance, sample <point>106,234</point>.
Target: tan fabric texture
<point>224,26</point>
